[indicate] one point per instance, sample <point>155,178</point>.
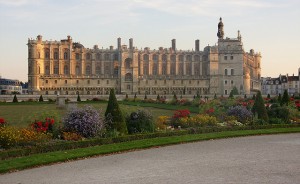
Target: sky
<point>271,27</point>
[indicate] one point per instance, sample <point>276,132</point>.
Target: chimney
<point>174,44</point>
<point>197,45</point>
<point>119,43</point>
<point>111,48</point>
<point>130,43</point>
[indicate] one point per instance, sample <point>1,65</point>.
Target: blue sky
<point>271,27</point>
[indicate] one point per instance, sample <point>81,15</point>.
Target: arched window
<point>128,77</point>
<point>56,69</point>
<point>155,57</point>
<point>188,58</point>
<point>197,58</point>
<point>188,68</point>
<point>146,57</point>
<point>173,68</point>
<point>180,69</point>
<point>98,70</point>
<point>66,70</point>
<point>77,56</point>
<point>77,70</point>
<point>226,72</point>
<point>55,55</point>
<point>232,71</point>
<point>154,68</point>
<point>196,69</point>
<point>98,57</point>
<point>181,58</point>
<point>128,63</point>
<point>106,57</point>
<point>173,58</point>
<point>47,70</point>
<point>164,58</point>
<point>66,55</point>
<point>107,70</point>
<point>88,70</point>
<point>116,57</point>
<point>47,53</point>
<point>146,68</point>
<point>88,56</point>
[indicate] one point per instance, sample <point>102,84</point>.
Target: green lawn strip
<point>162,106</point>
<point>60,156</point>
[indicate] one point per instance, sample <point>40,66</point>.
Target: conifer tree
<point>231,94</point>
<point>41,99</point>
<point>253,97</point>
<point>285,99</point>
<point>279,97</point>
<point>245,96</point>
<point>174,96</point>
<point>134,98</point>
<point>158,97</point>
<point>78,98</point>
<point>126,97</point>
<point>145,98</point>
<point>259,108</point>
<point>15,100</point>
<point>269,96</point>
<point>114,116</point>
<point>215,97</point>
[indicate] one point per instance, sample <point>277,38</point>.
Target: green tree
<point>253,97</point>
<point>15,100</point>
<point>41,98</point>
<point>231,94</point>
<point>259,108</point>
<point>279,97</point>
<point>78,98</point>
<point>285,99</point>
<point>113,115</point>
<point>269,96</point>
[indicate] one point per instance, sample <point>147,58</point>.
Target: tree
<point>145,97</point>
<point>126,97</point>
<point>231,94</point>
<point>215,97</point>
<point>269,96</point>
<point>15,100</point>
<point>113,115</point>
<point>259,108</point>
<point>285,99</point>
<point>41,99</point>
<point>158,97</point>
<point>174,96</point>
<point>279,97</point>
<point>245,96</point>
<point>253,97</point>
<point>78,98</point>
<point>134,98</point>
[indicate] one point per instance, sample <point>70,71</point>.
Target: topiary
<point>145,98</point>
<point>139,122</point>
<point>86,122</point>
<point>41,99</point>
<point>78,98</point>
<point>285,99</point>
<point>279,97</point>
<point>259,108</point>
<point>113,115</point>
<point>268,96</point>
<point>15,100</point>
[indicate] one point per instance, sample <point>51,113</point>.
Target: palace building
<point>68,68</point>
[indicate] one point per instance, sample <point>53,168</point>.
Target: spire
<point>220,33</point>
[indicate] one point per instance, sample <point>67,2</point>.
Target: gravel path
<point>259,159</point>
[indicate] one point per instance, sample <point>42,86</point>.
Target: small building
<point>10,86</point>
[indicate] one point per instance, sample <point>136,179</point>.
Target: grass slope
<point>60,156</point>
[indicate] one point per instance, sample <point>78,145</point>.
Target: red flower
<point>2,121</point>
<point>211,110</point>
<point>181,113</point>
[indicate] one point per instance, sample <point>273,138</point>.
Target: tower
<point>220,33</point>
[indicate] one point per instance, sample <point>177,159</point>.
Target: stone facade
<point>67,67</point>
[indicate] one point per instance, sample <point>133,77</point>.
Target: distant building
<point>67,67</point>
<point>10,86</point>
<point>276,86</point>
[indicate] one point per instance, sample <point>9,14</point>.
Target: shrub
<point>46,126</point>
<point>285,99</point>
<point>41,98</point>
<point>86,122</point>
<point>242,114</point>
<point>162,122</point>
<point>259,108</point>
<point>140,122</point>
<point>114,116</point>
<point>178,114</point>
<point>281,113</point>
<point>2,122</point>
<point>71,136</point>
<point>200,120</point>
<point>15,100</point>
<point>78,98</point>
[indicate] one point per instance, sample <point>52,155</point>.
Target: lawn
<point>21,115</point>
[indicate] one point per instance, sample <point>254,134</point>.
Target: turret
<point>220,33</point>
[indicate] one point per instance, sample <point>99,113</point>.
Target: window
<point>55,81</point>
<point>47,70</point>
<point>190,82</point>
<point>155,57</point>
<point>46,92</point>
<point>226,73</point>
<point>197,58</point>
<point>127,63</point>
<point>98,57</point>
<point>128,77</point>
<point>173,81</point>
<point>189,58</point>
<point>66,70</point>
<point>88,92</point>
<point>55,54</point>
<point>155,82</point>
<point>181,58</point>
<point>47,54</point>
<point>67,92</point>
<point>231,81</point>
<point>231,57</point>
<point>181,81</point>
<point>46,81</point>
<point>66,55</point>
<point>98,81</point>
<point>88,56</point>
<point>173,68</point>
<point>173,58</point>
<point>146,57</point>
<point>164,58</point>
<point>88,81</point>
<point>77,70</point>
<point>98,70</point>
<point>107,81</point>
<point>116,57</point>
<point>225,91</point>
<point>88,70</point>
<point>164,69</point>
<point>77,81</point>
<point>56,69</point>
<point>66,81</point>
<point>225,82</point>
<point>106,57</point>
<point>225,57</point>
<point>77,56</point>
<point>232,71</point>
<point>165,82</point>
<point>154,69</point>
<point>128,86</point>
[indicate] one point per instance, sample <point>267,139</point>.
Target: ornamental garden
<point>98,121</point>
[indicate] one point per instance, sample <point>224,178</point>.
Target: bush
<point>285,99</point>
<point>78,98</point>
<point>259,108</point>
<point>86,122</point>
<point>114,116</point>
<point>71,136</point>
<point>15,100</point>
<point>140,122</point>
<point>41,99</point>
<point>242,114</point>
<point>46,126</point>
<point>279,113</point>
<point>162,122</point>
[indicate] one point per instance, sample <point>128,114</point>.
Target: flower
<point>2,121</point>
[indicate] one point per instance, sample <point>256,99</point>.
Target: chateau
<point>68,68</point>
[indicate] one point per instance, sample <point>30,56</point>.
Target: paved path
<point>267,159</point>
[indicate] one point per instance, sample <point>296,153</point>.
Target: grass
<point>60,156</point>
<point>23,114</point>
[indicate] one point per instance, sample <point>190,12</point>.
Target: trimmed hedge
<point>66,145</point>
